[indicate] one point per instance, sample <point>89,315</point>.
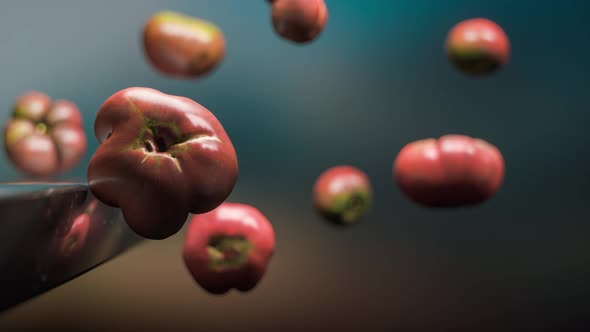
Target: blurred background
<point>376,79</point>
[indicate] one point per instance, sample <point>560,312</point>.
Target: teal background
<point>375,80</point>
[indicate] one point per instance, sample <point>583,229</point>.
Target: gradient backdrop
<point>376,79</point>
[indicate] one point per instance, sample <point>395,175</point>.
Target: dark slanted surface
<point>40,248</point>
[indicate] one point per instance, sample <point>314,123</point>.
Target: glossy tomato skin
<point>478,46</point>
<point>43,138</point>
<point>182,46</point>
<point>161,157</point>
<point>342,194</point>
<point>299,21</point>
<point>454,170</point>
<point>241,264</point>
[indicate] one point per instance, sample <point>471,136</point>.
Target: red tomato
<point>451,171</point>
<point>478,46</point>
